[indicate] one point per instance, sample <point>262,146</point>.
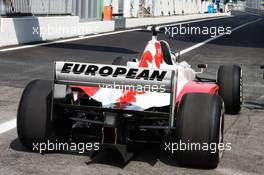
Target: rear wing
<point>100,75</point>
<point>86,74</point>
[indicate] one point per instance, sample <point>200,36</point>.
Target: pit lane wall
<point>143,22</point>
<point>18,30</point>
<point>153,12</point>
<point>255,6</point>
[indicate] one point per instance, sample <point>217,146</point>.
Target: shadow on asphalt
<point>150,155</point>
<point>17,146</point>
<point>92,48</point>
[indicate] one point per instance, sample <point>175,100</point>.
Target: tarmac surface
<point>244,47</point>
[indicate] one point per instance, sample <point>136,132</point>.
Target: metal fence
<point>35,7</point>
<point>88,10</point>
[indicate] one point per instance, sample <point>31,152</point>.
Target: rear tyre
<point>200,124</point>
<point>34,124</point>
<point>230,81</point>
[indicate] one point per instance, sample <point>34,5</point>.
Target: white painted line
<point>97,35</point>
<point>199,20</point>
<point>251,13</point>
<point>4,127</point>
<point>218,36</point>
<point>67,40</point>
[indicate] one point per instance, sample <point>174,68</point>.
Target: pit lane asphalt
<point>245,131</point>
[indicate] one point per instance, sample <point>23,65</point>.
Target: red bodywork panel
<point>147,57</point>
<point>90,91</point>
<point>191,87</point>
<point>199,87</point>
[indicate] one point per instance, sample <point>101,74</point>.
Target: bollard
<point>108,13</point>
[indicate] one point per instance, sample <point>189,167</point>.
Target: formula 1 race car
<point>155,99</point>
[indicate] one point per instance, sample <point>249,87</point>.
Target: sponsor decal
<point>129,97</point>
<point>148,58</point>
<point>106,71</point>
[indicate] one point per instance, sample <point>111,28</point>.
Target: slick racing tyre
<point>230,81</point>
<point>34,124</point>
<point>199,126</point>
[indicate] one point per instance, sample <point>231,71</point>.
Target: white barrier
<point>194,7</point>
<point>199,6</point>
<point>171,7</point>
<point>187,7</point>
<point>115,5</point>
<point>134,8</point>
<point>142,22</point>
<point>149,6</point>
<point>166,7</point>
<point>33,29</point>
<point>177,6</point>
<point>204,7</point>
<point>184,3</point>
<point>127,7</point>
<point>157,8</point>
